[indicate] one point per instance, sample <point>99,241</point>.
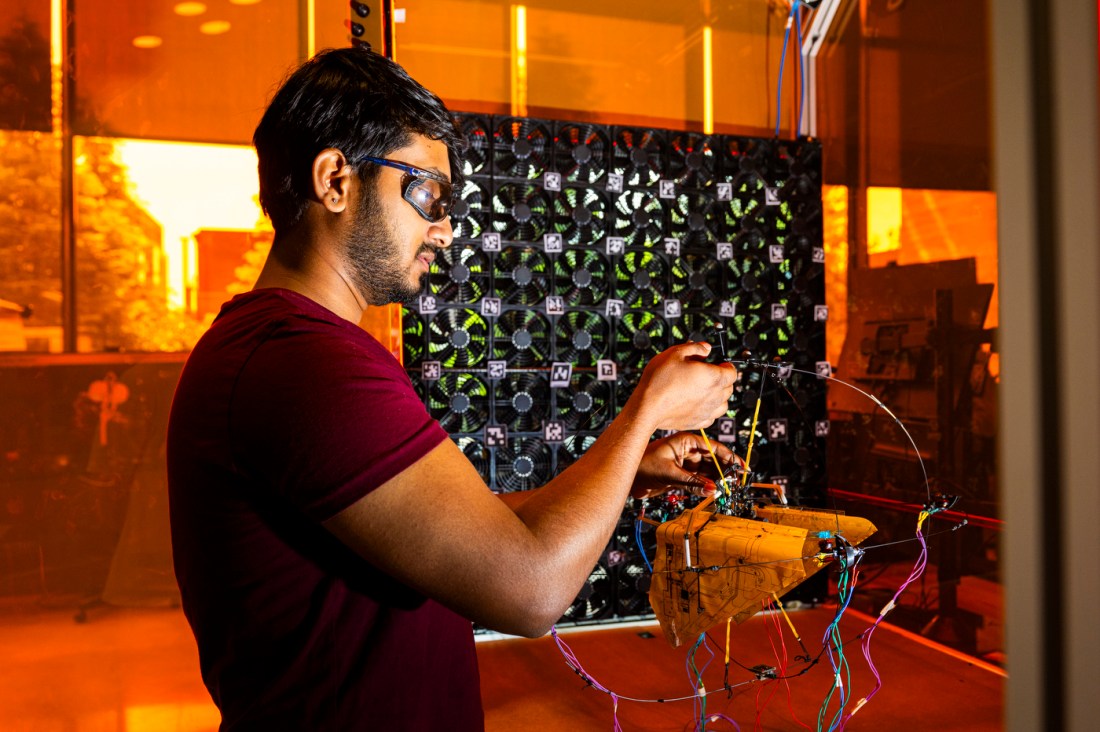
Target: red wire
<point>780,664</point>
<point>786,682</point>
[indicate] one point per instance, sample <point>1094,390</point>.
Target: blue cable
<point>782,63</point>
<point>802,71</point>
<point>641,546</point>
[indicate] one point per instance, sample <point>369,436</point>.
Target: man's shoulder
<point>284,321</point>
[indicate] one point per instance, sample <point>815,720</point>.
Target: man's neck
<point>312,271</point>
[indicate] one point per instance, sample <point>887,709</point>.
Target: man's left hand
<point>679,462</point>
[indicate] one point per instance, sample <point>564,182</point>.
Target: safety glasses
<point>429,193</point>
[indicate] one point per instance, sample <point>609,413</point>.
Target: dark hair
<point>350,99</point>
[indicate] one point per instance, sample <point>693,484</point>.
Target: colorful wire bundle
<point>833,642</point>
<point>865,642</point>
<point>575,664</point>
<point>695,678</point>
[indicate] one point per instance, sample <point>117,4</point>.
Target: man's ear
<point>331,178</point>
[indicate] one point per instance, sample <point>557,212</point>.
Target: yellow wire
<point>752,438</point>
<point>786,617</point>
<point>729,621</point>
<point>721,477</point>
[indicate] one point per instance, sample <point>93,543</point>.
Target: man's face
<point>390,247</point>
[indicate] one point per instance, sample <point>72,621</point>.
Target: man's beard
<point>374,255</point>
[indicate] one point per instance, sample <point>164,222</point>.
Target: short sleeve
<point>322,415</point>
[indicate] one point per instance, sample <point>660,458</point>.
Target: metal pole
<point>819,31</point>
<point>69,323</point>
<point>388,38</point>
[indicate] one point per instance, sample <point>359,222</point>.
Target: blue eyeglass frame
<point>443,203</point>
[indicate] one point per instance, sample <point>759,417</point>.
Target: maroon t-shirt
<point>286,414</point>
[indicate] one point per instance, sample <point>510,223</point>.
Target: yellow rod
<point>721,476</point>
<point>708,80</point>
<point>729,621</point>
<point>311,28</point>
<point>519,60</point>
<point>752,439</point>
<point>786,617</point>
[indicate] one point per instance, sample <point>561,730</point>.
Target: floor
<point>136,671</point>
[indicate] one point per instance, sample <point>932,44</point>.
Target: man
<point>331,543</point>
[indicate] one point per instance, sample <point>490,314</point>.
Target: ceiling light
<point>244,2</point>
<point>147,41</point>
<point>214,27</point>
<point>189,9</point>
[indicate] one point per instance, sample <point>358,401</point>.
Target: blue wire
<point>641,546</point>
<point>802,70</point>
<point>695,676</point>
<point>782,63</point>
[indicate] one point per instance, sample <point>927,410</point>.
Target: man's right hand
<point>679,390</point>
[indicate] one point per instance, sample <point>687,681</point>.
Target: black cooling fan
<point>632,576</point>
<point>804,235</point>
<point>522,276</point>
<point>691,160</point>
<point>580,337</point>
<point>460,274</point>
<point>694,326</point>
<point>522,465</point>
<point>580,153</point>
<point>412,338</point>
<point>521,212</point>
<point>477,454</point>
<point>594,601</point>
<point>470,212</point>
<point>522,401</point>
<point>640,279</point>
<point>522,149</point>
<point>459,401</point>
<point>632,579</point>
<point>580,276</point>
<point>745,323</point>
<point>751,239</point>
<point>522,338</point>
<point>746,170</point>
<point>475,128</point>
<point>580,216</point>
<point>803,159</point>
<point>805,281</point>
<point>753,280</point>
<point>746,209</point>
<point>638,155</point>
<point>770,338</point>
<point>573,447</point>
<point>639,219</point>
<point>457,338</point>
<point>585,405</point>
<point>697,281</point>
<point>693,220</point>
<point>807,347</point>
<point>747,154</point>
<point>639,337</point>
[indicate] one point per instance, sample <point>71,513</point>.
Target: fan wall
<point>580,252</point>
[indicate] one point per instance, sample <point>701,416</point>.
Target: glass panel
<point>166,233</point>
<point>910,230</point>
<point>905,96</point>
<point>641,62</point>
<point>180,71</point>
<point>25,65</point>
<point>30,242</point>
